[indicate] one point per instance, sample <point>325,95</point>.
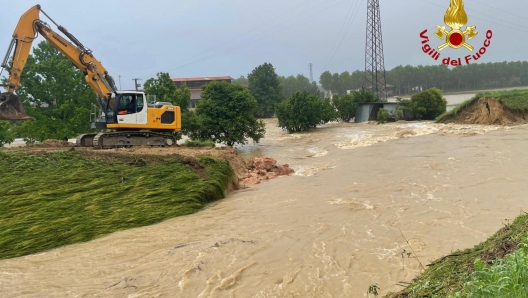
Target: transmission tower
<point>374,61</point>
<point>311,72</point>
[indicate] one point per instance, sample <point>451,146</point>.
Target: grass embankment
<point>58,198</point>
<point>468,273</point>
<point>516,100</point>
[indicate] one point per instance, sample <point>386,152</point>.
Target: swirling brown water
<point>331,230</point>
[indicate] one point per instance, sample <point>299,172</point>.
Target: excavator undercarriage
<point>125,139</point>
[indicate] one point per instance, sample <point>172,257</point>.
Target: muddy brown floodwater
<point>331,230</point>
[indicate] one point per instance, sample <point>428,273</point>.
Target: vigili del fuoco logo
<point>456,38</point>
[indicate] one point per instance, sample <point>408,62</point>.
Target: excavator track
<point>85,140</point>
<point>124,139</point>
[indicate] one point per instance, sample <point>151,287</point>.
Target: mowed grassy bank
<point>516,100</point>
<point>497,267</point>
<point>57,198</point>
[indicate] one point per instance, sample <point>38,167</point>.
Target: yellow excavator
<point>126,116</point>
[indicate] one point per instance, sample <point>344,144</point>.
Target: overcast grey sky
<point>231,37</point>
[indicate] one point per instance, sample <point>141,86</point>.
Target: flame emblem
<point>456,18</point>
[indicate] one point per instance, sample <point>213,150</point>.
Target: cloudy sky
<point>136,38</point>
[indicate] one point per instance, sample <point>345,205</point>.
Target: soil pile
<point>265,168</point>
<point>51,143</point>
<point>488,111</point>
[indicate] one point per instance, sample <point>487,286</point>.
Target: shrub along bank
<point>59,198</point>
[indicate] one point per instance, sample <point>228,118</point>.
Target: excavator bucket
<point>11,108</point>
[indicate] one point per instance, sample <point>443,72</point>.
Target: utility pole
<point>136,83</point>
<point>374,60</point>
<point>311,72</point>
<point>120,83</point>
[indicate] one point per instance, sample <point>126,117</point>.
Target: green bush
<point>328,112</point>
<point>347,104</point>
<point>383,116</point>
<point>426,105</point>
<point>303,111</point>
<point>429,104</point>
<point>199,143</point>
<point>7,135</point>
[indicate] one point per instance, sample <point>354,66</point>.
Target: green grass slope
<point>54,199</point>
<point>467,273</point>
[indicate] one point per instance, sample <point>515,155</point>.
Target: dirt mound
<point>265,168</point>
<point>51,143</point>
<point>488,111</point>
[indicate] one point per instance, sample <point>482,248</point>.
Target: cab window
<point>127,104</point>
<point>139,100</point>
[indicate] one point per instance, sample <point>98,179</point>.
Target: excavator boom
<point>133,120</point>
<point>26,31</point>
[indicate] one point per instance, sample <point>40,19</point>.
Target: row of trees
<point>269,88</point>
<point>304,111</point>
<point>61,101</point>
<point>288,85</point>
<point>408,79</point>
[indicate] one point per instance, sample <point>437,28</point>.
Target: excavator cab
<point>11,108</point>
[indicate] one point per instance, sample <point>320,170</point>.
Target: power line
<point>500,10</point>
<point>348,15</point>
<point>250,42</point>
<point>516,28</point>
<point>260,26</point>
<point>343,29</point>
<point>346,33</point>
<point>256,27</point>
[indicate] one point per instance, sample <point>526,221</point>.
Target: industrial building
<point>369,111</point>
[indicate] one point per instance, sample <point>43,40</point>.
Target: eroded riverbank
<point>330,231</point>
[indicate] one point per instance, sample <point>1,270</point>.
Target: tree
<point>303,111</point>
<point>56,94</point>
<point>429,104</point>
<point>242,80</point>
<point>291,84</point>
<point>328,111</point>
<point>413,79</point>
<point>346,106</point>
<point>225,115</point>
<point>265,87</point>
<point>166,90</point>
<point>7,135</point>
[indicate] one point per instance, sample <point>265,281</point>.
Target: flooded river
<point>363,196</point>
